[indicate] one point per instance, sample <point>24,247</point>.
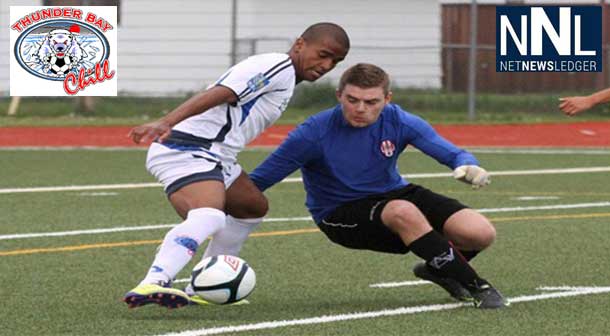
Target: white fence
<point>172,47</point>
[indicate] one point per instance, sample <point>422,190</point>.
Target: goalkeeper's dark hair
<point>365,75</point>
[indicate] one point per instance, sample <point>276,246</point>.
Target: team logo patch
<point>258,82</point>
<point>387,148</point>
<point>63,51</point>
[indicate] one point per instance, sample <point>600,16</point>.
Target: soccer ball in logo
<point>223,279</point>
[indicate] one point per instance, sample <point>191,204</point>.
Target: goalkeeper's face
<point>362,106</point>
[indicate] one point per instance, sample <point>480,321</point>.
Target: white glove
<point>474,175</point>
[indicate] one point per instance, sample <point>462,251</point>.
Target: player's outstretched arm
<point>294,152</point>
<point>577,104</point>
<point>194,105</point>
<point>420,134</point>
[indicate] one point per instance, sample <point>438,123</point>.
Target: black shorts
<point>358,225</point>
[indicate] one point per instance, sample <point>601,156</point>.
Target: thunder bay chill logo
<point>66,45</point>
<point>548,38</point>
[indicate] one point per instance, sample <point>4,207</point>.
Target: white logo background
<point>24,83</point>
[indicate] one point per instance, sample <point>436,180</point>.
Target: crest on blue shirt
<point>257,82</point>
<point>387,148</point>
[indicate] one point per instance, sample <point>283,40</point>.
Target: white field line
<point>80,188</point>
<point>547,207</point>
<point>277,219</point>
<point>568,288</point>
<point>377,285</point>
<point>400,284</point>
<point>85,232</point>
<point>375,314</point>
<point>535,198</point>
<point>298,180</point>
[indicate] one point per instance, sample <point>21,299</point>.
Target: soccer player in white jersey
<point>195,149</point>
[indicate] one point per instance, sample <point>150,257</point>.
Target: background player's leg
<point>245,206</point>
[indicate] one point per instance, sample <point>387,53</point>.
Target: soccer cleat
<point>454,288</point>
<point>199,301</point>
<point>155,293</point>
<point>195,299</point>
<point>487,297</point>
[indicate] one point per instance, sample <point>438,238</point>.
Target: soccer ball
<point>223,279</point>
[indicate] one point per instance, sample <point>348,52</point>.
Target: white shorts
<point>178,166</point>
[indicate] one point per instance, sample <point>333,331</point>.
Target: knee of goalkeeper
<point>473,175</point>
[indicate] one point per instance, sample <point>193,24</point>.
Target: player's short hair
<point>322,29</point>
<point>365,75</point>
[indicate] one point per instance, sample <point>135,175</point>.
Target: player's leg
<point>406,220</point>
<point>440,210</point>
<point>440,256</point>
<point>201,202</point>
<point>245,207</point>
<point>470,232</point>
<point>196,190</point>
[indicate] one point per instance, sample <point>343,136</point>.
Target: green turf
<point>302,275</point>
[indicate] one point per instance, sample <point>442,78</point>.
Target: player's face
<point>362,106</point>
<point>316,58</point>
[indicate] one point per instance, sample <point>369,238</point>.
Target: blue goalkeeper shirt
<point>340,163</point>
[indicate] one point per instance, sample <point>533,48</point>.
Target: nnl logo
<point>548,38</point>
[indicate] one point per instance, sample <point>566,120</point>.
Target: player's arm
<point>295,152</point>
<point>577,104</point>
<point>465,166</point>
<point>195,105</point>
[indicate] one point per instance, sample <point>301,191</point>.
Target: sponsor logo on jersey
<point>258,82</point>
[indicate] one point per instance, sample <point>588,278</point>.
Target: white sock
<point>181,243</point>
<point>230,239</point>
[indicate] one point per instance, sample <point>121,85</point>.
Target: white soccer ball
<point>223,279</point>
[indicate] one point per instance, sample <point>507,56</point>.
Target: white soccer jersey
<point>264,84</point>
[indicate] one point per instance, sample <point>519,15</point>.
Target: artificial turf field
<point>67,279</point>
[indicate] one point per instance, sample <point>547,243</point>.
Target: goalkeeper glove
<point>474,175</point>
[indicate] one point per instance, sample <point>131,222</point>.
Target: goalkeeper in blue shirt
<point>348,159</point>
